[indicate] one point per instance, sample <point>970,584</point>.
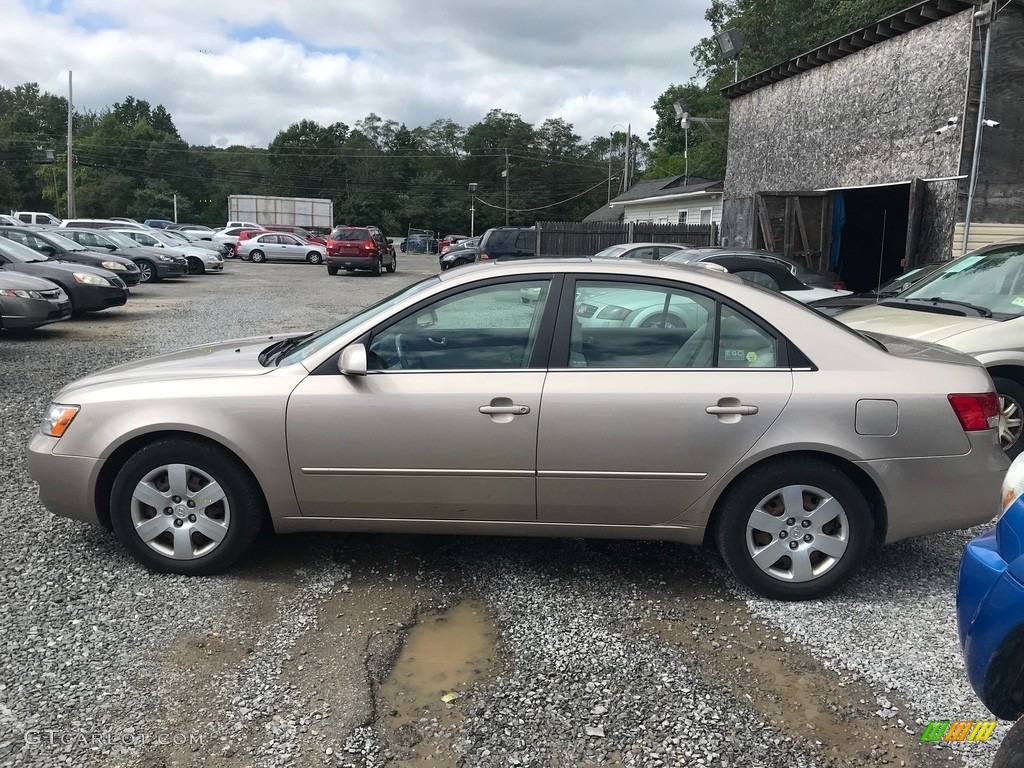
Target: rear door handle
<point>726,410</point>
<point>518,410</point>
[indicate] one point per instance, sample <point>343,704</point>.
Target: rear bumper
<point>353,262</point>
<point>960,492</point>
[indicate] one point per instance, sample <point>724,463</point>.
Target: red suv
<point>352,248</point>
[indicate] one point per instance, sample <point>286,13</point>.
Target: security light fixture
<point>730,42</point>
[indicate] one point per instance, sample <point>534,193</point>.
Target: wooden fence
<point>574,238</point>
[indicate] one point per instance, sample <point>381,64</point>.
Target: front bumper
<point>90,298</point>
<point>20,313</point>
<point>990,616</point>
<point>66,483</point>
<point>170,269</point>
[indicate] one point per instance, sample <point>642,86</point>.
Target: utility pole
<point>625,160</point>
<point>71,157</point>
<point>505,174</point>
<point>175,207</point>
<point>611,138</point>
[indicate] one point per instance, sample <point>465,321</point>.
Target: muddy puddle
<point>443,655</point>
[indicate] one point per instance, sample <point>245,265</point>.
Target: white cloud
<point>595,64</point>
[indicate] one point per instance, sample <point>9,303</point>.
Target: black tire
<point>376,270</point>
<point>314,257</point>
<point>257,257</point>
<point>760,491</point>
<point>147,271</point>
<point>332,270</point>
<point>241,518</point>
<point>1011,404</point>
<point>1011,749</point>
<point>393,265</point>
<point>196,266</point>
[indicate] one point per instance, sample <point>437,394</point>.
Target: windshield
<point>18,252</point>
<point>63,242</point>
<point>322,338</point>
<point>611,253</point>
<point>992,278</point>
<point>121,241</point>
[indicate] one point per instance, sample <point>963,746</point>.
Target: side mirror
<point>48,250</point>
<point>391,240</point>
<point>352,361</point>
<point>427,319</point>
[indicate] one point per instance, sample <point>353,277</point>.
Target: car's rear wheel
<point>376,268</point>
<point>1011,415</point>
<point>332,270</point>
<point>794,529</point>
<point>313,257</point>
<point>257,257</point>
<point>663,321</point>
<point>147,272</point>
<point>185,506</point>
<point>393,265</point>
<point>1011,749</point>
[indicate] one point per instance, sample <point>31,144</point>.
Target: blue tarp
<point>838,222</point>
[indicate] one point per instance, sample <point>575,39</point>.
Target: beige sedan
<point>778,434</point>
<point>975,304</point>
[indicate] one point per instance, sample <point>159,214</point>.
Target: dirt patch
<point>828,713</point>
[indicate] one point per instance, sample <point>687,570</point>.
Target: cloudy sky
<point>238,71</point>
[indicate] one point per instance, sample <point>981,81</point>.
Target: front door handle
<point>731,410</point>
<point>517,410</point>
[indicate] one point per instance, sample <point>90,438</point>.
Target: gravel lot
<point>337,650</point>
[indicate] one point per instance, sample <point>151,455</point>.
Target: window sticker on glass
<point>1019,301</point>
<point>962,264</point>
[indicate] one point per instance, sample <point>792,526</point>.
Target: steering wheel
<point>407,358</point>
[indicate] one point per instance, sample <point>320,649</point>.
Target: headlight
<point>1013,483</point>
<point>114,265</point>
<point>613,313</point>
<point>57,419</point>
<point>21,294</point>
<point>91,279</point>
<point>165,258</point>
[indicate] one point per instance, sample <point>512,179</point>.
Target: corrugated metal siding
<point>985,234</point>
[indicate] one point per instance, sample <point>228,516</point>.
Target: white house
<point>675,200</point>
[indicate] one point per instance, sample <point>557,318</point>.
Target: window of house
<point>682,217</point>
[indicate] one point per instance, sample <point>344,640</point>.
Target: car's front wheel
<point>185,506</point>
<point>794,529</point>
<point>1011,415</point>
<point>196,266</point>
<point>314,257</point>
<point>147,272</point>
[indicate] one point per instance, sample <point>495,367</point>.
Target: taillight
<point>482,257</point>
<point>369,245</point>
<point>839,285</point>
<point>976,411</point>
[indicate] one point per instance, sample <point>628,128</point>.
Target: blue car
<point>990,615</point>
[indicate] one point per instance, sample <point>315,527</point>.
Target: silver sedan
<point>776,433</point>
<point>280,246</point>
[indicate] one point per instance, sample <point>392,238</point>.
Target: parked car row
<point>50,273</point>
